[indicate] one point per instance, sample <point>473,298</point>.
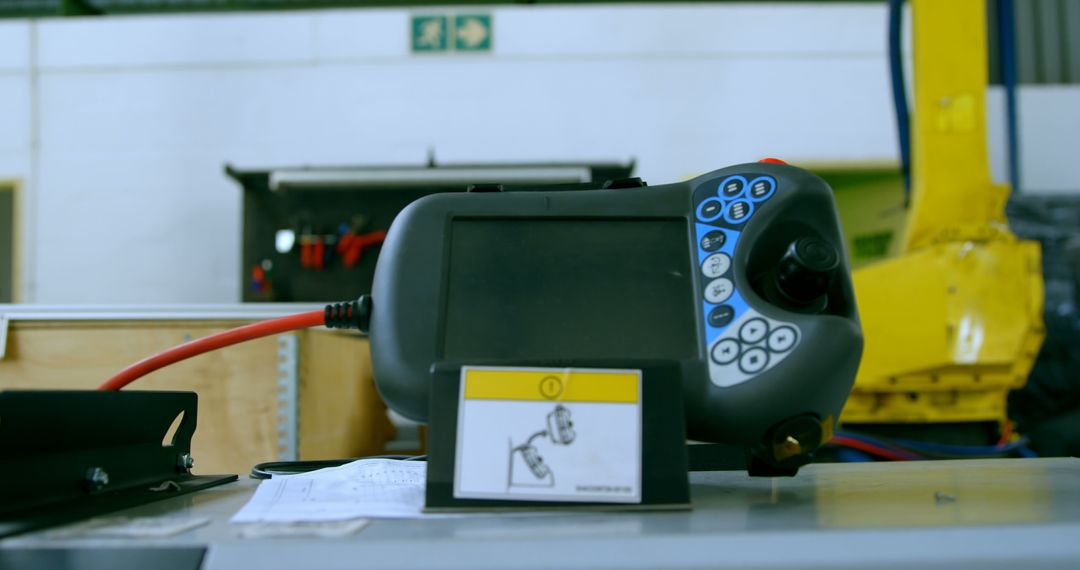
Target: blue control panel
<point>741,342</point>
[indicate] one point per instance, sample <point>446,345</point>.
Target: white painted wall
<point>120,126</point>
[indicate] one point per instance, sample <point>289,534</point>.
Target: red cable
<point>213,342</point>
<point>868,448</point>
<point>1006,433</point>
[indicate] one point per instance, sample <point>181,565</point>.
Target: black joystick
<point>804,273</point>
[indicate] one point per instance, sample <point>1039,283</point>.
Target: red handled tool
<point>351,246</point>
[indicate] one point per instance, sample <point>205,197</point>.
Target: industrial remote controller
<point>738,276</point>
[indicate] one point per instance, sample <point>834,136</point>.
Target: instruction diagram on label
<point>549,435</point>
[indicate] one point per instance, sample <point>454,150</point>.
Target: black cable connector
<point>351,315</point>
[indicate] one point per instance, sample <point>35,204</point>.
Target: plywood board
<point>340,414</point>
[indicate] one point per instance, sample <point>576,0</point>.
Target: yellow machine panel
<point>955,320</point>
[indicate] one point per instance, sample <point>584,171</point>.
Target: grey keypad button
<point>753,331</point>
<point>726,351</point>
<point>718,290</point>
<point>782,339</point>
<point>753,360</point>
<point>716,265</point>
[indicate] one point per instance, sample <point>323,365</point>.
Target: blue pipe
<point>1007,46</point>
<point>899,92</point>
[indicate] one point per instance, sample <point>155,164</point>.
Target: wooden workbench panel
<point>237,386</point>
<point>341,414</point>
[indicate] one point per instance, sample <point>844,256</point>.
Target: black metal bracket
<point>69,455</point>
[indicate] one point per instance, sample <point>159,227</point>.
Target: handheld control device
<point>559,426</point>
<point>738,275</point>
<point>560,431</point>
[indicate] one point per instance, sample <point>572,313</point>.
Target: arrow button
<point>726,351</point>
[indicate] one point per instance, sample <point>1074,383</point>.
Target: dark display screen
<point>569,288</point>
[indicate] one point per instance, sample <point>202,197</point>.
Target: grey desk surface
<point>1009,513</point>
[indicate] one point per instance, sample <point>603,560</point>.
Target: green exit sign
<point>429,33</point>
<point>472,32</point>
<point>467,33</point>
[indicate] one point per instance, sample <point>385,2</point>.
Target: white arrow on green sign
<point>472,32</point>
<point>451,32</point>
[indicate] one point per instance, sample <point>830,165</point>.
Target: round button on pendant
<point>721,316</point>
<point>716,265</point>
<point>782,339</point>
<point>732,187</point>
<point>753,331</point>
<point>761,188</point>
<point>713,240</point>
<point>718,290</point>
<point>738,211</point>
<point>725,351</point>
<point>754,360</point>
<point>710,209</point>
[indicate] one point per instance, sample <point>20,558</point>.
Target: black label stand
<point>664,483</point>
<point>71,455</point>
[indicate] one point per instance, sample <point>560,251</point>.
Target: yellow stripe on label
<point>552,385</point>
